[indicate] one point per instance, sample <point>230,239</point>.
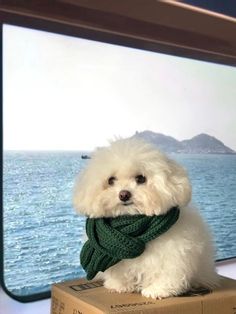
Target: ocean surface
<point>43,235</point>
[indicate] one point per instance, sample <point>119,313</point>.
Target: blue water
<point>43,235</point>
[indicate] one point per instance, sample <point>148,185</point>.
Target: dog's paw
<point>116,286</point>
<point>156,293</point>
<point>111,290</point>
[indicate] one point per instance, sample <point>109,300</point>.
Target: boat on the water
<point>85,157</point>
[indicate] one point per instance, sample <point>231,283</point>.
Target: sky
<point>66,93</point>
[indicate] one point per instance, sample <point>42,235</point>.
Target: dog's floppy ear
<point>89,184</point>
<point>84,191</point>
<point>80,193</point>
<point>171,182</point>
<point>179,184</point>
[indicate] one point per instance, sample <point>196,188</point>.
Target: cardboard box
<point>90,297</point>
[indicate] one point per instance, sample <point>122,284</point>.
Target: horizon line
<point>95,146</point>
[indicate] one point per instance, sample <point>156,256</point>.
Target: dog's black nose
<point>124,195</point>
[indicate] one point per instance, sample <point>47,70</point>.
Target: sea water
<point>43,235</point>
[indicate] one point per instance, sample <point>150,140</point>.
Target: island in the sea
<point>199,144</point>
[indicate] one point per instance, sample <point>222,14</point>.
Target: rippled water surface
<point>43,235</point>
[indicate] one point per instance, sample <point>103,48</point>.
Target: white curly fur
<point>181,258</point>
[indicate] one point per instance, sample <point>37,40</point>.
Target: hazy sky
<point>65,93</point>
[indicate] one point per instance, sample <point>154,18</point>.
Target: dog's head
<point>130,177</point>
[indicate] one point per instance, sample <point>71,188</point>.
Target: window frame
<point>167,40</point>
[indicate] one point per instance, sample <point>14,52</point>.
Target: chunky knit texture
<point>112,239</point>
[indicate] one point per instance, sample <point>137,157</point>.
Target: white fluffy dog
<point>178,260</point>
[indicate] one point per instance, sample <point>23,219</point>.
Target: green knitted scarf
<point>112,239</point>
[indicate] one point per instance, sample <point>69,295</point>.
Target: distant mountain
<point>199,144</point>
<point>206,144</point>
<point>166,143</point>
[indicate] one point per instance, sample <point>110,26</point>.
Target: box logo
<point>86,286</point>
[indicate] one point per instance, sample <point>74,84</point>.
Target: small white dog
<point>132,177</point>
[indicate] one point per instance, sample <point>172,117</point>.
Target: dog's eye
<point>111,180</point>
<point>140,179</point>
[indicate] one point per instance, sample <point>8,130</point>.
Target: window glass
<point>226,7</point>
<point>64,96</point>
